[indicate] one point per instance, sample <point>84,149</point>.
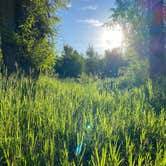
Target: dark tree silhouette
<point>157,38</point>
<point>26,29</point>
<point>70,64</point>
<point>7,28</point>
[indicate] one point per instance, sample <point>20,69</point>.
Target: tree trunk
<point>157,39</point>
<point>7,15</point>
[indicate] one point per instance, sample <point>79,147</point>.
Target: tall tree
<point>26,29</point>
<point>144,20</point>
<point>7,28</point>
<point>90,52</point>
<point>130,15</point>
<point>113,61</point>
<point>157,39</point>
<point>92,61</point>
<point>70,64</point>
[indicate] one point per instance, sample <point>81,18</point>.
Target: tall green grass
<point>53,122</point>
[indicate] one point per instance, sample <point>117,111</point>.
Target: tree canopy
<point>143,21</point>
<point>26,30</point>
<point>70,64</point>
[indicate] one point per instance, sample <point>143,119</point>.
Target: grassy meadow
<point>53,122</point>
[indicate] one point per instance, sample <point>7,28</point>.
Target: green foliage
<point>144,30</point>
<point>92,62</point>
<point>126,70</point>
<point>71,64</point>
<point>34,25</point>
<point>33,35</point>
<point>93,66</point>
<point>0,59</point>
<point>112,62</point>
<point>135,22</point>
<point>90,52</point>
<point>136,71</point>
<point>43,123</point>
<point>158,97</point>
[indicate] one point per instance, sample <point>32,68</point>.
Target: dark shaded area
<point>26,28</point>
<point>72,64</point>
<point>157,39</point>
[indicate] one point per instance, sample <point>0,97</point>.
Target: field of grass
<point>53,122</point>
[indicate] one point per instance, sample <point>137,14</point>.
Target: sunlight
<point>112,37</point>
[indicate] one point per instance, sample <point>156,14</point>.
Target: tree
<point>7,27</point>
<point>71,64</point>
<point>26,29</point>
<point>90,52</point>
<point>133,19</point>
<point>113,61</point>
<point>135,72</point>
<point>157,39</point>
<point>144,20</point>
<point>92,62</point>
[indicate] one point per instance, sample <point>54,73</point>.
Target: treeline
<point>113,64</point>
<point>73,64</point>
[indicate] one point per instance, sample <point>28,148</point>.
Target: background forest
<point>71,108</point>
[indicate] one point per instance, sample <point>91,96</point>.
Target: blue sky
<point>82,24</point>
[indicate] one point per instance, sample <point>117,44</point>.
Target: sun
<point>112,37</point>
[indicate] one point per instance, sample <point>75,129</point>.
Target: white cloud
<point>93,22</point>
<point>69,5</point>
<point>89,8</point>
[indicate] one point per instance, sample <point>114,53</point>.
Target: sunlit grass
<point>52,122</point>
